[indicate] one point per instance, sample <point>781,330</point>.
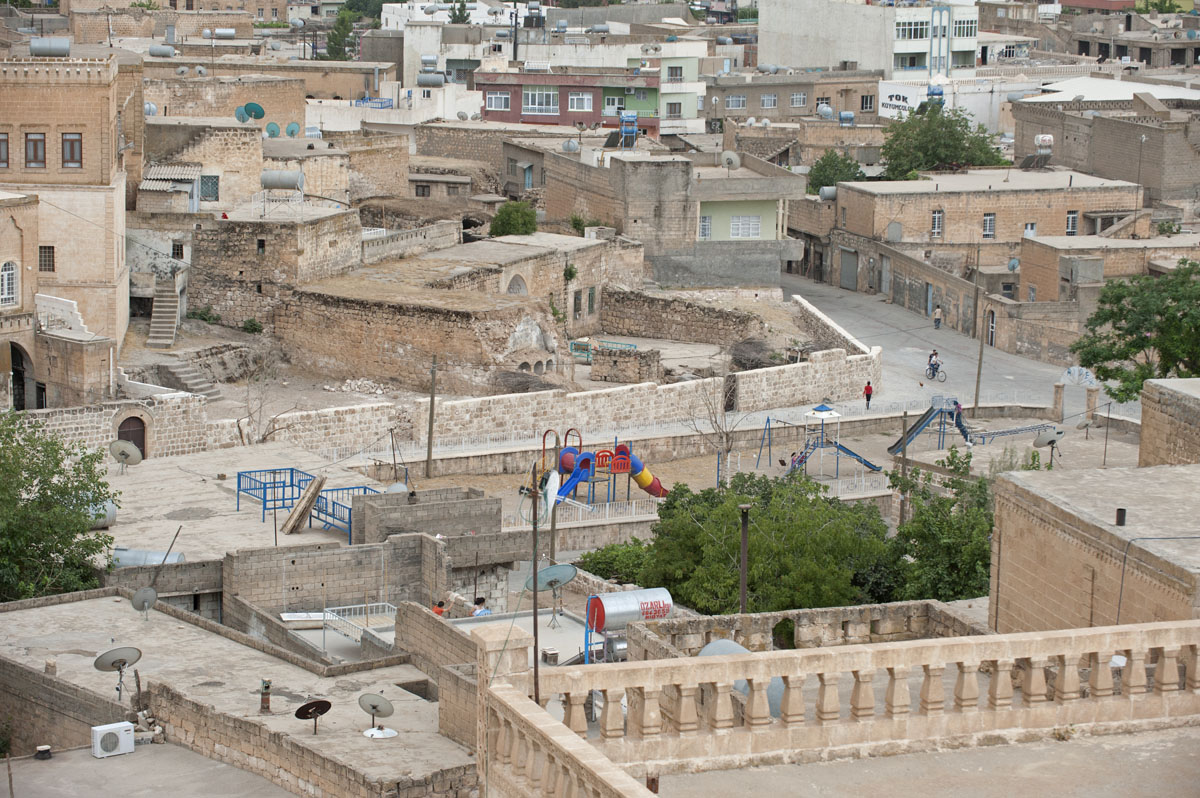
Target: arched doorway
<point>23,386</point>
<point>133,429</point>
<point>991,328</point>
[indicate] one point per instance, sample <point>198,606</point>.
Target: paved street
<point>908,338</point>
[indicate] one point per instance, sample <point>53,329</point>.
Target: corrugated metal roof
<point>161,185</point>
<point>173,171</point>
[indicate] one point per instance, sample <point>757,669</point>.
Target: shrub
<point>204,314</point>
<point>514,219</point>
<point>252,326</point>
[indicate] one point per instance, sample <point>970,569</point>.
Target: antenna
<point>313,710</point>
<point>126,453</point>
<point>118,659</point>
<point>240,114</point>
<point>377,707</point>
<point>1050,438</point>
<point>552,578</point>
<point>1014,264</point>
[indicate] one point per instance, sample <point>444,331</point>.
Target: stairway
<point>164,316</point>
<point>193,381</point>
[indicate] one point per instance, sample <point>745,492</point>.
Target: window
<point>8,283</point>
<point>260,13</point>
<point>422,189</point>
<point>3,150</point>
<point>769,100</point>
<point>577,305</point>
<point>699,102</point>
<point>908,31</point>
<point>1030,229</point>
<point>614,103</point>
<point>674,74</point>
<point>824,101</point>
<point>579,101</point>
<point>72,150</point>
<point>966,28</point>
<point>745,227</point>
<point>452,190</point>
<point>674,110</point>
<point>498,101</point>
<point>935,224</point>
<point>177,250</point>
<point>210,188</point>
<point>274,13</point>
<point>1008,290</point>
<point>867,103</point>
<point>261,246</point>
<point>799,99</point>
<point>540,100</point>
<point>705,228</point>
<point>1072,223</point>
<point>426,94</point>
<point>1033,293</point>
<point>735,101</point>
<point>641,94</point>
<point>45,259</point>
<point>35,150</point>
<point>512,166</point>
<point>843,216</point>
<point>909,62</point>
<point>989,225</point>
<point>591,300</point>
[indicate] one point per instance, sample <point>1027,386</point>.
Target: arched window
<point>8,283</point>
<point>517,285</point>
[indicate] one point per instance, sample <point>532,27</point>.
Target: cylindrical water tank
<point>104,515</point>
<point>50,46</point>
<point>935,91</point>
<point>1014,96</point>
<point>288,179</point>
<point>612,612</point>
<point>125,558</point>
<point>206,34</point>
<point>162,51</point>
<point>430,79</point>
<point>601,28</point>
<point>720,648</point>
<point>825,111</point>
<point>724,40</point>
<point>225,33</point>
<point>430,60</point>
<point>827,193</point>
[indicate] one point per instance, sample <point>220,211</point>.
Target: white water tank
<point>611,612</point>
<point>286,179</point>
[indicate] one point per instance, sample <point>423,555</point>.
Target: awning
<point>173,171</point>
<point>524,164</point>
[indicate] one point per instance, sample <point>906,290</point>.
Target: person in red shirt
<point>867,393</point>
<point>439,608</point>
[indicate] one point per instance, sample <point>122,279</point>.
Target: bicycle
<point>940,375</point>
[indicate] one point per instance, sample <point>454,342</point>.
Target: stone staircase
<point>193,380</point>
<point>164,316</point>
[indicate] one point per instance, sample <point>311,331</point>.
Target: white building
<point>908,42</point>
<point>396,16</point>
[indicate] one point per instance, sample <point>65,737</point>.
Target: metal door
<point>885,275</point>
<point>849,276</point>
<point>133,429</point>
<point>928,299</point>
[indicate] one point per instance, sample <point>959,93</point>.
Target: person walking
<point>868,391</point>
<point>937,317</point>
<point>958,422</point>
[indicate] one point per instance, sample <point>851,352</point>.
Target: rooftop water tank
<point>286,179</point>
<point>162,51</point>
<point>50,46</point>
<point>611,612</point>
<point>825,111</point>
<point>827,193</point>
<point>723,647</point>
<point>846,119</point>
<point>724,40</point>
<point>430,60</point>
<point>430,79</point>
<point>104,515</point>
<point>601,28</point>
<point>225,33</point>
<point>124,558</point>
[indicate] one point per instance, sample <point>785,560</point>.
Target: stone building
<point>70,133</point>
<point>339,80</point>
<point>1054,267</point>
<point>20,373</point>
<point>792,95</point>
<point>218,96</point>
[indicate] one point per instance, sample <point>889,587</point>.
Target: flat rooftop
<point>1097,89</point>
<point>211,669</point>
<point>1181,241</point>
<point>1187,387</point>
<point>566,635</point>
<point>298,148</point>
<point>1160,501</point>
<point>1006,179</point>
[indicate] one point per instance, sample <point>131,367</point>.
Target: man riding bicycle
<point>934,364</point>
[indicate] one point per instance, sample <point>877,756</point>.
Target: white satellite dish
<point>126,453</point>
<point>731,160</point>
<point>1049,437</point>
<point>377,707</point>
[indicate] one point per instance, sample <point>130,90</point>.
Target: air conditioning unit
<point>629,90</point>
<point>112,739</point>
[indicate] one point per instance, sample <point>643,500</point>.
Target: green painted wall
<point>722,211</point>
<point>646,107</point>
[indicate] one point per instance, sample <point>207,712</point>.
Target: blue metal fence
<point>273,488</point>
<point>333,508</point>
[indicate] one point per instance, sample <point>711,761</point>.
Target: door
<point>928,299</point>
<point>528,177</point>
<point>849,275</point>
<point>885,275</point>
<point>133,429</point>
<point>991,328</point>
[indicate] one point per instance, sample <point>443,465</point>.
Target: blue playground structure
<point>941,413</point>
<point>817,440</point>
<point>280,489</point>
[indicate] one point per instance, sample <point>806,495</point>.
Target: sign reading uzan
<point>897,99</point>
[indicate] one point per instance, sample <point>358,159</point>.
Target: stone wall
<point>643,316</point>
<point>376,517</point>
<point>326,174</point>
<point>245,617</point>
<point>378,162</point>
<point>176,423</point>
<point>469,142</point>
<point>188,586</point>
<point>232,154</point>
<point>457,696</point>
<point>409,243</point>
<point>824,332</point>
<point>281,97</point>
<point>1039,330</point>
<point>1170,423</point>
<point>627,365</point>
<point>431,641</point>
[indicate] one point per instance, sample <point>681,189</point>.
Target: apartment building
<point>916,40</point>
<point>792,94</point>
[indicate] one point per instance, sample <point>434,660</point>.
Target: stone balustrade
<point>877,698</point>
<point>532,754</point>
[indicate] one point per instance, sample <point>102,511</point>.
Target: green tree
<point>335,42</point>
<point>514,219</point>
<point>833,168</point>
<point>48,491</point>
<point>806,549</point>
<point>367,8</point>
<point>459,14</point>
<point>1161,6</point>
<point>1144,328</point>
<point>944,548</point>
<point>933,137</point>
<point>620,561</point>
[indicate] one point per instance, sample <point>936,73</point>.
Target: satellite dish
<point>430,9</point>
<point>126,453</point>
<point>581,126</point>
<point>731,160</point>
<point>476,117</point>
<point>150,109</point>
<point>1050,437</point>
<point>118,659</point>
<point>297,23</point>
<point>273,130</point>
<point>313,710</point>
<point>181,70</point>
<point>463,116</point>
<point>292,130</point>
<point>750,121</point>
<point>1014,264</point>
<point>254,111</point>
<point>377,707</point>
<point>570,145</point>
<point>240,114</point>
<point>595,126</point>
<point>1083,424</point>
<point>201,71</point>
<point>144,598</point>
<point>552,577</point>
<point>276,45</point>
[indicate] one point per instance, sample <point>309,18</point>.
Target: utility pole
<point>745,508</point>
<point>979,327</point>
<point>903,459</point>
<point>429,434</point>
<point>537,693</point>
<point>554,505</point>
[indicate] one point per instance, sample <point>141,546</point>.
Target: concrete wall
<point>377,517</point>
<point>1170,423</point>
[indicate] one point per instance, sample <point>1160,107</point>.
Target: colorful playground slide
<point>580,466</point>
<point>641,475</point>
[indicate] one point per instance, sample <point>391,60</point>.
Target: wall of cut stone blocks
<point>431,641</point>
<point>326,175</point>
<point>627,365</point>
<point>378,162</point>
<point>457,699</point>
<point>1170,424</point>
<point>385,514</point>
<point>281,98</point>
<point>643,316</point>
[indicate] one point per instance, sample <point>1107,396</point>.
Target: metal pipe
<point>429,435</point>
<point>537,693</point>
<point>745,508</point>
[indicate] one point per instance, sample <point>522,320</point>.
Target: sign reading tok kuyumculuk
<point>897,99</point>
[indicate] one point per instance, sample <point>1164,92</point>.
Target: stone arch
<point>517,285</point>
<point>523,367</point>
<point>148,427</point>
<point>539,367</point>
<point>10,288</point>
<point>24,387</point>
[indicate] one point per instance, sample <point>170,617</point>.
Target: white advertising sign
<point>896,99</point>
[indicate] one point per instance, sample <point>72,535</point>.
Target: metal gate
<point>849,275</point>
